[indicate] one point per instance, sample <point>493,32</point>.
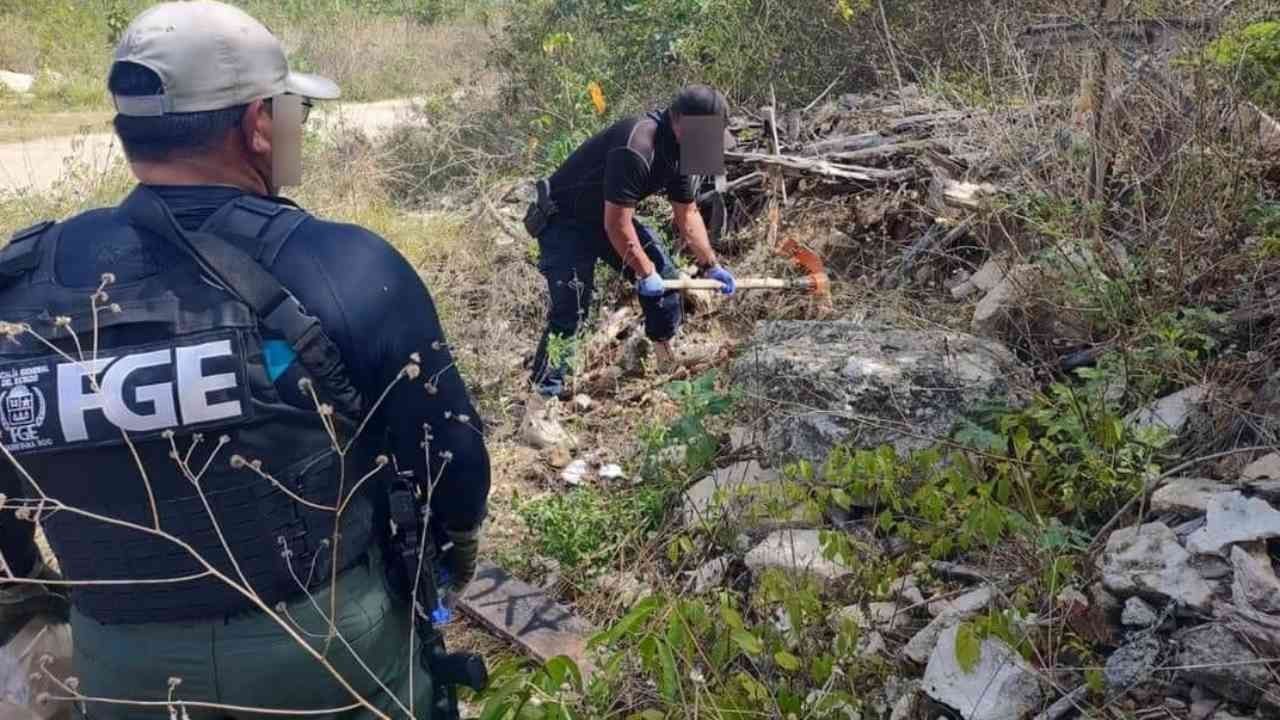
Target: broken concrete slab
<point>920,647</point>
<point>1213,656</point>
<point>1148,561</point>
<point>1254,582</point>
<point>526,616</point>
<point>1186,496</point>
<point>1234,518</point>
<point>797,551</point>
<point>1001,686</point>
<point>867,383</point>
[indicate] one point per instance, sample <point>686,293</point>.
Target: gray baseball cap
<point>209,56</point>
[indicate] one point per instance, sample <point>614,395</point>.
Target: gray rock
<point>1203,704</point>
<point>1001,686</point>
<point>869,384</point>
<point>744,437</point>
<point>921,646</point>
<point>876,616</point>
<point>1148,561</point>
<point>1254,583</point>
<point>905,707</point>
<point>1108,604</point>
<point>795,551</point>
<point>16,82</point>
<point>992,272</point>
<point>1065,704</point>
<point>708,577</point>
<point>1225,715</point>
<point>625,588</point>
<point>1173,412</point>
<point>992,315</point>
<point>1188,496</point>
<point>1132,664</point>
<point>871,645</point>
<point>1266,467</point>
<point>726,491</point>
<point>1212,656</point>
<point>1234,518</point>
<point>966,604</point>
<point>906,589</point>
<point>1137,613</point>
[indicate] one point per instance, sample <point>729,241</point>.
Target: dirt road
<point>37,165</point>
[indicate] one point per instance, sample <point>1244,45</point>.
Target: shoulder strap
<point>274,305</point>
<point>22,254</point>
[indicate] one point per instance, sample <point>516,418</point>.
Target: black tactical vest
<point>181,363</point>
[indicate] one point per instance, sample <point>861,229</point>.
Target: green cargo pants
<point>248,660</point>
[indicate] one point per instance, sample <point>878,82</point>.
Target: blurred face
<point>272,139</point>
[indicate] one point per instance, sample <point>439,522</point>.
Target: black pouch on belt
<point>540,212</point>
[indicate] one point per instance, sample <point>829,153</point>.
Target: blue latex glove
<point>724,277</point>
<point>651,286</point>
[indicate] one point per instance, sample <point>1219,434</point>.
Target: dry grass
<point>380,57</point>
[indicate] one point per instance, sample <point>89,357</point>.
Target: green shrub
<point>1252,57</point>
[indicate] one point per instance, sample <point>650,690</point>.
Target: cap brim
<point>312,86</point>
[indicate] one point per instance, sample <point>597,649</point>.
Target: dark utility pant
<point>248,660</point>
<point>568,262</point>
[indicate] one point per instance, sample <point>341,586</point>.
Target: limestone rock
<point>1148,561</point>
<point>1234,518</point>
<point>709,576</point>
<point>1173,412</point>
<point>1137,613</point>
<point>725,492</point>
<point>1266,467</point>
<point>1188,496</point>
<point>992,272</point>
<point>795,551</point>
<point>1000,305</point>
<point>876,616</point>
<point>1132,664</point>
<point>1001,686</point>
<point>873,384</point>
<point>922,644</point>
<point>1254,583</point>
<point>1214,657</point>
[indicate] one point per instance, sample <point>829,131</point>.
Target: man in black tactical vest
<point>211,402</point>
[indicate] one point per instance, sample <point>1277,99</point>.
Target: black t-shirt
<point>375,307</point>
<point>626,162</point>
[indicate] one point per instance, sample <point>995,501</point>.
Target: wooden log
<point>845,143</point>
<point>884,152</point>
<point>527,617</point>
<point>1132,32</point>
<point>902,125</point>
<point>814,166</point>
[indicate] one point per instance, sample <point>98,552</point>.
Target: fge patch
<point>53,402</point>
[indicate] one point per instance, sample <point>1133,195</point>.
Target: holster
<point>412,571</point>
<point>541,210</point>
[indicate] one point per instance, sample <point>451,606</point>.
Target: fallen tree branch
<point>823,168</point>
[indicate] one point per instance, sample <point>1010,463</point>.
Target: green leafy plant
<point>1252,56</point>
<point>699,401</point>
